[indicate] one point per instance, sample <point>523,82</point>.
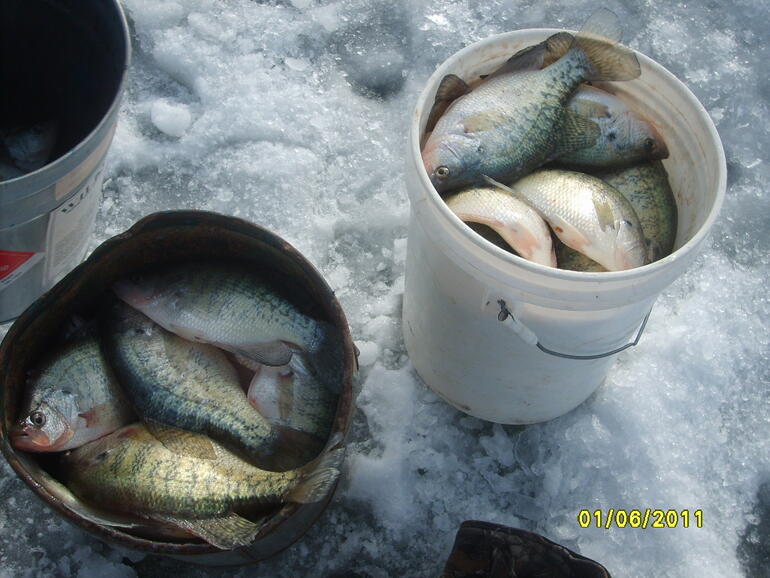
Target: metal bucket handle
<point>530,337</point>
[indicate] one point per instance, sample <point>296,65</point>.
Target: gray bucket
<point>62,65</point>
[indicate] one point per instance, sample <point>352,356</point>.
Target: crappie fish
<point>626,137</point>
<point>73,400</point>
<point>291,396</point>
<point>235,310</point>
<point>175,384</point>
<point>647,188</point>
<point>587,215</point>
<point>514,122</point>
<point>131,471</point>
<point>533,57</point>
<point>510,217</point>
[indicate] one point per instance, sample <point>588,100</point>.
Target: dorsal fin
<point>449,89</point>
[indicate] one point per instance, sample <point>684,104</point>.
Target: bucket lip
<point>152,224</point>
<point>503,260</point>
<point>59,164</point>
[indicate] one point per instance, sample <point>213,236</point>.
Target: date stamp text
<point>647,518</point>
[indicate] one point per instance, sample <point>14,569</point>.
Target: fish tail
<point>318,478</point>
<point>598,40</point>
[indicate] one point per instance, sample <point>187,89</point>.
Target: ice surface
<point>174,120</point>
<point>296,116</point>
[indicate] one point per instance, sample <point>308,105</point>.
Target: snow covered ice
<point>293,115</point>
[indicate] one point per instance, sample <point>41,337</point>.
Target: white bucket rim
<point>503,259</point>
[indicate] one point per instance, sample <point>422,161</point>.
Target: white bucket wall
<point>455,279</point>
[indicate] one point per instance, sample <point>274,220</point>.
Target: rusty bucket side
<point>158,239</point>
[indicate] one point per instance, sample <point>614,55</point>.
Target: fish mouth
<point>25,439</point>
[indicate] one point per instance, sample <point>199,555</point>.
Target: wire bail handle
<point>529,336</point>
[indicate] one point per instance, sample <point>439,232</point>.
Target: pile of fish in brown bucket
<point>606,195</point>
<point>192,379</point>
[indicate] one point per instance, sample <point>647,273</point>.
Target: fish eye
<point>102,456</point>
<point>37,418</point>
<point>442,172</point>
<point>649,144</point>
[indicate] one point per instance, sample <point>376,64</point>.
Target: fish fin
<point>557,46</point>
<point>226,532</point>
<point>450,89</point>
<point>589,108</point>
<point>511,190</point>
<point>182,441</point>
<point>604,212</point>
<point>91,416</point>
<point>318,478</point>
<point>577,133</point>
<point>537,56</point>
<point>529,58</point>
<point>266,352</point>
<point>436,112</point>
<point>486,120</point>
<point>598,40</point>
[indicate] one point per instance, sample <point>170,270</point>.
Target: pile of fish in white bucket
<point>536,109</point>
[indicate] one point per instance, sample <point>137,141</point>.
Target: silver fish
<point>511,218</point>
<point>514,122</point>
<point>74,399</point>
<point>587,215</point>
<point>235,309</point>
<point>647,188</point>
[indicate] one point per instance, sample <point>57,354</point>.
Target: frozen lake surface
<point>293,115</point>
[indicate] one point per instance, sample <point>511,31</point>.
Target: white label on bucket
<point>13,264</point>
<point>69,229</point>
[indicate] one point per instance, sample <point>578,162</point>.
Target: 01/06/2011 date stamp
<point>647,518</point>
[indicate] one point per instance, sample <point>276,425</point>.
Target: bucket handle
<point>529,336</point>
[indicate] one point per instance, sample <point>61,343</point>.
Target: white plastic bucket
<point>460,287</point>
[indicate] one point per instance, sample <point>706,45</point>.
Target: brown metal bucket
<point>169,237</point>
